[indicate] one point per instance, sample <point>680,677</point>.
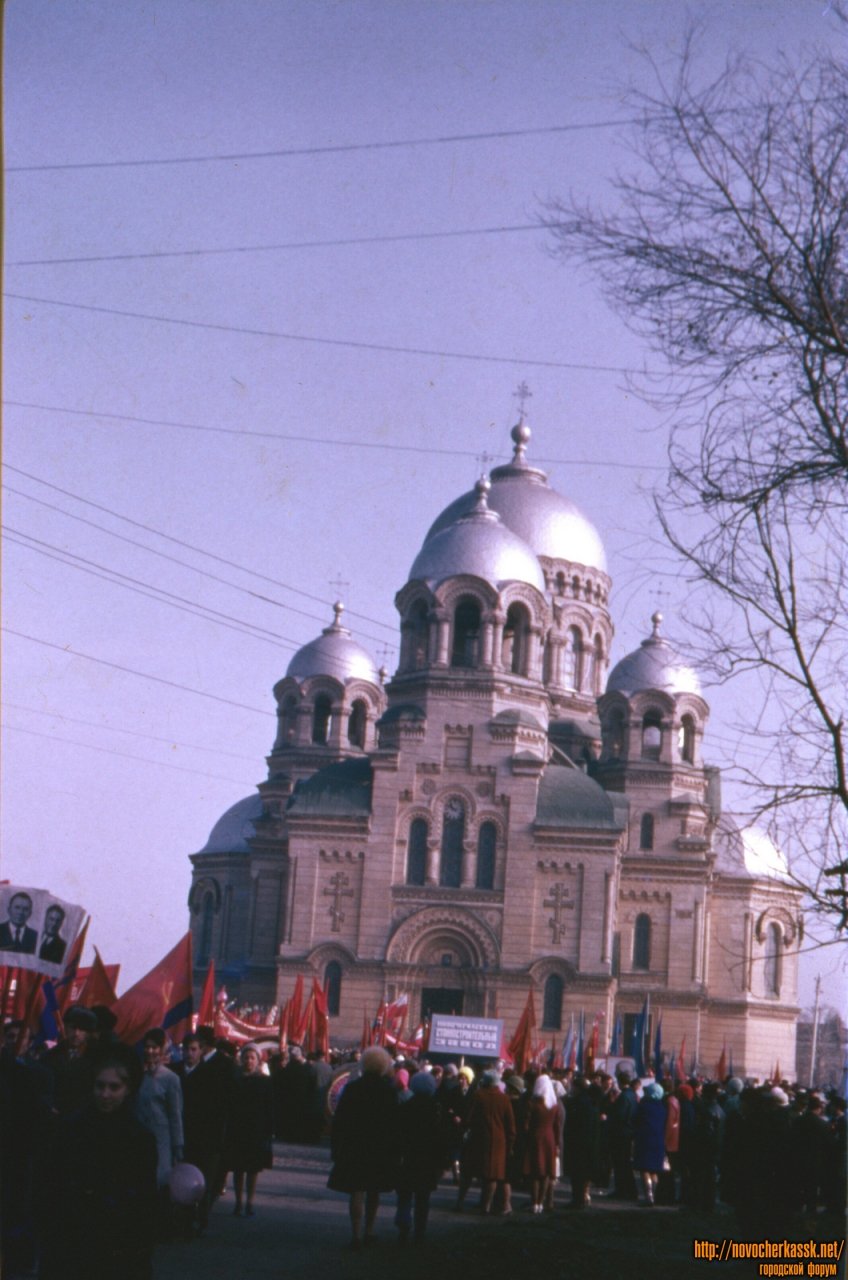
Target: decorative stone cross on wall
<point>557,902</point>
<point>337,891</point>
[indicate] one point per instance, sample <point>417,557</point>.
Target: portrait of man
<point>53,946</point>
<point>15,934</point>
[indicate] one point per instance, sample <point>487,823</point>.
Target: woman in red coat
<point>541,1147</point>
<point>491,1135</point>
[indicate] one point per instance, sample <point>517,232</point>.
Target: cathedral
<point>504,812</point>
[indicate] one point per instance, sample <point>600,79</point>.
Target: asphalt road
<point>301,1228</point>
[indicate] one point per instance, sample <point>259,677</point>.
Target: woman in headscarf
<point>421,1154</point>
<point>364,1141</point>
<point>491,1136</point>
<point>250,1133</point>
<point>97,1198</point>
<point>649,1138</point>
<point>541,1148</point>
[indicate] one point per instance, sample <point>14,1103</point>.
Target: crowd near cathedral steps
<point>503,811</point>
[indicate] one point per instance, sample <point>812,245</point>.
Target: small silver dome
<point>335,653</point>
<point>477,543</point>
<point>748,853</point>
<point>550,524</point>
<point>654,665</point>
<point>233,829</point>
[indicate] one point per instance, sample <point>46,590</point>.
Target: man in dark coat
<point>421,1153</point>
<point>321,1077</point>
<point>581,1145</point>
<point>208,1089</point>
<point>810,1139</point>
<point>621,1122</point>
<point>705,1149</point>
<point>15,933</point>
<point>293,1097</point>
<point>365,1142</point>
<point>72,1062</point>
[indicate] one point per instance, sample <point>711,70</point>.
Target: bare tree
<point>728,250</point>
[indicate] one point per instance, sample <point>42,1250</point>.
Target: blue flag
<point>637,1040</point>
<point>581,1038</point>
<point>568,1045</point>
<point>617,1036</point>
<point>658,1071</point>
<point>730,1067</point>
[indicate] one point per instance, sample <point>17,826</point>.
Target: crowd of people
<point>94,1134</point>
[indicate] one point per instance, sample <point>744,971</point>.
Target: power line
<point>167,536</point>
<point>208,325</point>
<point>273,248</point>
<point>159,764</point>
<point>321,151</point>
<point>144,675</point>
<point>145,589</point>
<point>256,595</point>
<point>298,439</point>
<point>135,733</point>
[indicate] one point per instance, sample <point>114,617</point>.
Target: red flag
<point>162,998</point>
<point>295,1008</point>
<point>284,1028</point>
<point>26,982</point>
<point>31,1011</point>
<point>721,1065</point>
<point>98,988</point>
<point>679,1068</point>
<point>520,1047</point>
<point>206,1012</point>
<point>591,1050</point>
<point>367,1032</point>
<point>776,1077</point>
<point>380,1024</point>
<point>63,987</point>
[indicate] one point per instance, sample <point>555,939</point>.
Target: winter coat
<point>364,1136</point>
<point>159,1107</point>
<point>581,1138</point>
<point>491,1134</point>
<point>420,1144</point>
<point>649,1138</point>
<point>248,1147</point>
<point>541,1128</point>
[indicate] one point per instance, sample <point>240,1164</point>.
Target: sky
<point>252,348</point>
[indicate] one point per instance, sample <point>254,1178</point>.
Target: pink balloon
<point>187,1184</point>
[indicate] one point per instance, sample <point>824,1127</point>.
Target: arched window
<point>613,736</point>
<point>560,583</point>
<point>646,831</point>
<point>416,852</point>
<point>356,724</point>
<point>552,1009</point>
<point>574,659</point>
<point>466,634</point>
<point>453,835</point>
<point>687,740</point>
<point>321,713</point>
<point>515,637</point>
<point>288,721</point>
<point>772,960</point>
<point>597,666</point>
<point>486,844</point>
<point>207,911</point>
<point>420,637</point>
<point>642,942</point>
<point>651,735</point>
<point>333,987</point>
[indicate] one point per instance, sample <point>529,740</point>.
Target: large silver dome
<point>477,543</point>
<point>654,665</point>
<point>234,828</point>
<point>335,653</point>
<point>550,524</point>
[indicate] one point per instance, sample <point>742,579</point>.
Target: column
<point>488,643</point>
<point>442,638</point>
<point>605,940</point>
<point>698,943</point>
<point>431,875</point>
<point>498,620</point>
<point>469,864</point>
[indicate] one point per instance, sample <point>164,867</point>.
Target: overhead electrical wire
<point>135,733</point>
<point>210,326</point>
<point>143,675</point>
<point>273,248</point>
<point>89,746</point>
<point>385,447</point>
<point>256,595</point>
<point>337,149</point>
<point>232,564</point>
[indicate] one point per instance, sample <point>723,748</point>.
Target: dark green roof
<point>519,717</point>
<point>569,798</point>
<point>406,711</point>
<point>340,788</point>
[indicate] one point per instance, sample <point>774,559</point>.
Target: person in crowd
<point>491,1137</point>
<point>541,1147</point>
<point>837,1158</point>
<point>364,1143</point>
<point>672,1130</point>
<point>294,1088</point>
<point>453,1110</point>
<point>685,1141</point>
<point>769,1192</point>
<point>250,1134</point>
<point>810,1140</point>
<point>97,1194</point>
<point>582,1136</point>
<point>421,1152</point>
<point>401,1083</point>
<point>622,1125</point>
<point>26,1091</point>
<point>705,1150</point>
<point>519,1099</point>
<point>207,1102</point>
<point>72,1061</point>
<point>159,1107</point>
<point>321,1076</point>
<point>649,1139</point>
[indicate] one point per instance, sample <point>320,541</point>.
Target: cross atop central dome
<point>548,523</point>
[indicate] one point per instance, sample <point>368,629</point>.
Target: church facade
<point>503,812</point>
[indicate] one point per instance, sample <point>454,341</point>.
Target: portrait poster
<point>37,929</point>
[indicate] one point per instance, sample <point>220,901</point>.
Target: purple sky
<point>110,779</point>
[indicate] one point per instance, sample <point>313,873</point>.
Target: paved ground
<point>301,1229</point>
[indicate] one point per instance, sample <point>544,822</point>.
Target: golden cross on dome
<point>522,395</point>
